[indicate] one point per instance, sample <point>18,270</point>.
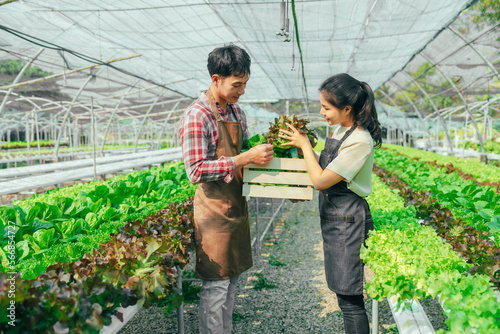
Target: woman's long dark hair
<point>342,90</point>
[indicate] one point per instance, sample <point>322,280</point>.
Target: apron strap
<point>213,105</point>
<point>347,134</point>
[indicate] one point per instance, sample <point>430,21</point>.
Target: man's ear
<point>216,80</point>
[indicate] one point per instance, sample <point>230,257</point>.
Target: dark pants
<point>353,310</point>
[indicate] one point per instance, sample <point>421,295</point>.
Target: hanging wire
<point>99,31</point>
<point>64,69</point>
<point>300,51</point>
<point>52,46</point>
<point>293,52</point>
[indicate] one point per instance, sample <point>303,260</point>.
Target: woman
<point>343,176</point>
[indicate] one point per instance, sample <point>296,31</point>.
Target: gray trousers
<point>216,306</point>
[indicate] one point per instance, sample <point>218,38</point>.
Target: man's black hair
<point>229,60</point>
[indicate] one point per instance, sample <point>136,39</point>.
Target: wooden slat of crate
<point>254,176</point>
<point>253,190</point>
<point>293,175</point>
<point>282,163</point>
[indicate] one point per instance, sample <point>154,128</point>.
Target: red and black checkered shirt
<point>199,136</point>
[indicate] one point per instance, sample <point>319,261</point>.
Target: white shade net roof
<point>462,61</point>
<point>371,40</point>
<point>132,60</point>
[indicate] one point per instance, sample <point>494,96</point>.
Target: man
<point>212,134</point>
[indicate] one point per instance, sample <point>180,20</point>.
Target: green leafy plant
<point>263,283</point>
<point>136,264</point>
<point>276,262</point>
<point>476,169</point>
<point>64,224</point>
<point>14,66</point>
<point>271,137</point>
<point>410,260</point>
<point>479,205</point>
<point>479,252</point>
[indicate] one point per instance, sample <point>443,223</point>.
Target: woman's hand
<point>295,138</point>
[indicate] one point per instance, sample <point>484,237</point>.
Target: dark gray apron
<point>345,222</point>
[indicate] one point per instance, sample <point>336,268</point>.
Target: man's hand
<point>259,155</point>
<point>262,154</point>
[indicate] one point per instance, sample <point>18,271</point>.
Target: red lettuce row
<point>136,264</point>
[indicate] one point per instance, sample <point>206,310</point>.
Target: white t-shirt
<point>354,161</point>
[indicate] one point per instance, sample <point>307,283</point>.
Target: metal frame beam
<point>446,130</point>
<point>19,76</point>
<point>474,123</point>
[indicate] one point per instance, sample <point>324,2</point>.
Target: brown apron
<point>221,226</point>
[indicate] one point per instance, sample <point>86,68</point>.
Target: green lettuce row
<point>84,244</point>
<point>23,144</point>
<point>64,228</point>
<point>479,206</point>
<point>490,146</point>
<point>137,265</point>
<point>474,167</point>
<point>46,151</point>
<point>411,261</point>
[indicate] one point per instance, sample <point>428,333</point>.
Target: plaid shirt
<point>199,136</point>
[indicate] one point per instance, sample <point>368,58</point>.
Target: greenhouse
<point>98,227</point>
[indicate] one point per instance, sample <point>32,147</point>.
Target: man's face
<point>232,87</point>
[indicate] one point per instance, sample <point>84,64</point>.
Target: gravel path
<point>285,291</point>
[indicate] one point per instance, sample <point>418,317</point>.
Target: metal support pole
<point>92,131</point>
<point>397,107</point>
<point>485,133</point>
<point>143,121</point>
<point>402,112</point>
<point>374,316</point>
<point>257,233</point>
<point>465,134</point>
<point>272,205</point>
<point>473,120</point>
<point>151,134</point>
<point>66,115</point>
<point>38,137</point>
<point>119,135</point>
<point>435,109</point>
<point>180,309</point>
<point>271,221</point>
<point>70,140</point>
<point>166,121</point>
<point>28,137</point>
<point>114,113</point>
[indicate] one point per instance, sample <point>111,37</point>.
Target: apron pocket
<point>334,230</point>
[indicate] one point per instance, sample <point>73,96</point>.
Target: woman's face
<point>334,115</point>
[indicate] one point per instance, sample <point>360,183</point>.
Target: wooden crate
<point>278,171</point>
